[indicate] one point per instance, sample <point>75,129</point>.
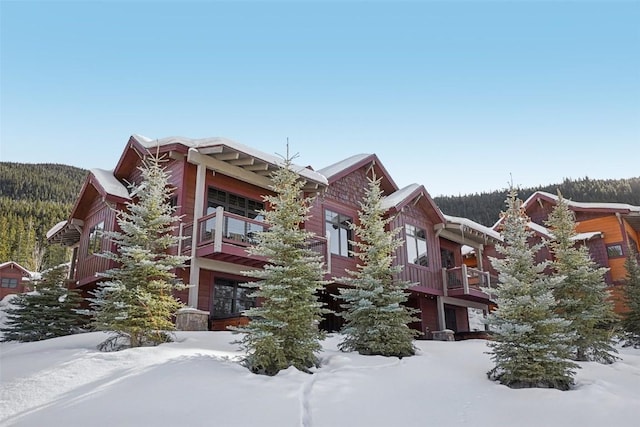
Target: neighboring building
<point>218,190</point>
<point>608,230</point>
<point>14,279</point>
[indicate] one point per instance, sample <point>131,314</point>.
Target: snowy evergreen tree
<point>284,330</point>
<point>582,297</point>
<point>48,312</point>
<point>531,343</point>
<point>136,301</point>
<point>376,317</point>
<point>631,318</point>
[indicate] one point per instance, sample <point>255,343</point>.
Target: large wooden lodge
<point>219,188</point>
<point>218,192</point>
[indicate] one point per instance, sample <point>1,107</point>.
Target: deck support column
<point>198,209</point>
<point>442,323</point>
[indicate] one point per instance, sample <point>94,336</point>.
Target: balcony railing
<point>468,279</point>
<point>221,227</point>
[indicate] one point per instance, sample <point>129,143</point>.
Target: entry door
<point>450,319</point>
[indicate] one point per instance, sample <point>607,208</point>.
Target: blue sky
<point>455,95</point>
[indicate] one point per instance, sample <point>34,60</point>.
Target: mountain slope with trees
<point>484,208</point>
<point>33,198</point>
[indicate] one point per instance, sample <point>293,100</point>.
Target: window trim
<point>415,238</point>
<point>611,246</point>
<point>222,281</point>
<point>226,205</point>
<point>340,225</point>
<point>9,283</point>
<point>96,237</point>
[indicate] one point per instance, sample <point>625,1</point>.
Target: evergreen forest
<point>33,198</point>
<point>485,208</point>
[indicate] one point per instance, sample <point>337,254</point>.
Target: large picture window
<point>233,203</point>
<point>230,299</point>
<point>95,238</point>
<point>417,251</point>
<point>338,228</point>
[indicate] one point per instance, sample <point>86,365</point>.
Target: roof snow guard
<point>236,160</point>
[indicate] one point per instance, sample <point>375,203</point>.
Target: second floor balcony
<point>226,237</point>
<point>468,283</point>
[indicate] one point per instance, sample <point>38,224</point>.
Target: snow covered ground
<point>197,381</point>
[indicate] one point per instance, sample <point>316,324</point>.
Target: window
<point>614,251</point>
<point>95,238</point>
<point>338,229</point>
<point>417,245</point>
<point>233,203</point>
<point>9,282</point>
<point>230,299</point>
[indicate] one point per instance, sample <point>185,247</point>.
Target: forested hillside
<point>33,198</point>
<point>485,208</point>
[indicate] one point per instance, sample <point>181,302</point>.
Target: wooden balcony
<point>226,237</point>
<point>467,283</point>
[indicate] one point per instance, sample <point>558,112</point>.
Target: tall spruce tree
<point>531,344</point>
<point>136,301</point>
<point>376,317</point>
<point>48,312</point>
<point>284,330</point>
<point>631,318</point>
<point>582,297</point>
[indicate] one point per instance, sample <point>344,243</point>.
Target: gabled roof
<point>466,232</point>
<point>99,182</point>
<point>631,213</point>
<point>416,194</point>
<point>13,264</point>
<point>587,206</point>
<point>344,167</point>
<point>230,157</point>
<point>108,184</point>
<point>545,232</point>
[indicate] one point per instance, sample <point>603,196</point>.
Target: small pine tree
<point>376,317</point>
<point>531,342</point>
<point>50,311</point>
<point>284,330</point>
<point>136,302</point>
<point>631,318</point>
<point>582,297</point>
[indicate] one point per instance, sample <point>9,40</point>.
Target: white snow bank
<point>197,381</point>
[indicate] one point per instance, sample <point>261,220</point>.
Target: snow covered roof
<point>547,233</point>
<point>585,205</point>
<point>342,165</point>
<point>202,144</point>
<point>53,230</point>
<point>397,197</point>
<point>466,222</point>
<point>110,183</point>
<point>15,265</point>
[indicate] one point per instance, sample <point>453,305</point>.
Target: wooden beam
<point>229,170</point>
<point>211,150</point>
<point>245,161</point>
<point>227,156</point>
<point>258,167</point>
